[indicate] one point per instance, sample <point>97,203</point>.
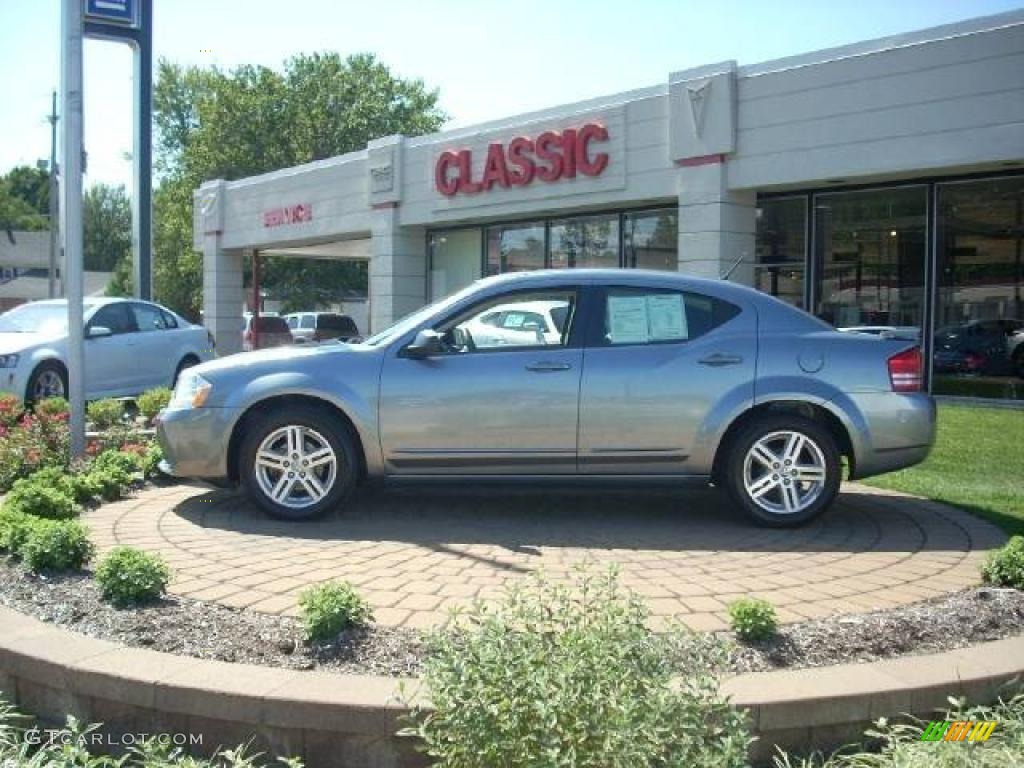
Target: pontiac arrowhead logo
<point>698,93</point>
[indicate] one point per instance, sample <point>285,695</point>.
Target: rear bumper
<point>898,431</point>
<point>195,441</point>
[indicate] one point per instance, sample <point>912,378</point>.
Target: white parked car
<point>516,325</point>
<point>130,346</point>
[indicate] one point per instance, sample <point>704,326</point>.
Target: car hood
<point>263,360</point>
<point>11,343</point>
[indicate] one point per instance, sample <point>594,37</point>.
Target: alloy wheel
<point>48,384</point>
<point>295,466</point>
<point>784,472</point>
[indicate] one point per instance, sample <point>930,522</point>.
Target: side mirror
<point>426,344</point>
<point>99,331</point>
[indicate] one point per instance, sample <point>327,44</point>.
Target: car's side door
<point>111,357</point>
<point>660,366</point>
<point>156,346</point>
<point>483,407</point>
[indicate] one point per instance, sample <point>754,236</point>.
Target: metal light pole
<point>71,146</point>
<point>54,208</point>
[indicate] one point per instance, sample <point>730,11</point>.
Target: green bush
<point>14,528</point>
<point>35,495</point>
<point>105,414</point>
<point>150,403</point>
<point>753,619</point>
<point>52,407</point>
<point>329,608</point>
<point>899,745</point>
<point>128,575</point>
<point>118,462</point>
<point>56,545</point>
<point>1005,566</point>
<point>151,460</point>
<point>571,675</point>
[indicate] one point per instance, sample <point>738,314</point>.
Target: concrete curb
<point>350,720</point>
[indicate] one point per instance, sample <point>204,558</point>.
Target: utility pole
<point>54,208</point>
<point>71,177</point>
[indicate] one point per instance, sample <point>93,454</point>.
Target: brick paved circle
<point>415,553</point>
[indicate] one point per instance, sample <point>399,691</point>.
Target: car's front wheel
<point>297,463</point>
<point>783,470</point>
<point>49,379</point>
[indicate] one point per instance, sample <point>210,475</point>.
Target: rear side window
<point>308,321</point>
<point>270,325</point>
<point>148,317</point>
<point>657,316</point>
<point>341,323</point>
<point>169,321</point>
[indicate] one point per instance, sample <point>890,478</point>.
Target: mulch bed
<point>211,631</point>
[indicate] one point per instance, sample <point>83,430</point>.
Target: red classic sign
<point>290,214</point>
<point>552,156</point>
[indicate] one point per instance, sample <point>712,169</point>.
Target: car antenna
<point>729,271</point>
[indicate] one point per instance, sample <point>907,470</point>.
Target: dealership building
<point>875,184</point>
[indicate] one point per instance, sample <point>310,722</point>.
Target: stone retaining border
<point>331,720</point>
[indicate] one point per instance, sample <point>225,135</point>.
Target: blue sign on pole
<point>112,11</point>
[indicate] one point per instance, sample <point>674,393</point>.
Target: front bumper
<point>195,441</point>
<point>14,380</point>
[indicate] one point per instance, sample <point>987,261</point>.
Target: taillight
<point>974,361</point>
<point>905,370</point>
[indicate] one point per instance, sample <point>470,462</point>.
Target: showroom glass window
<point>454,260</point>
<point>979,316</point>
<point>650,239</point>
<point>871,248</point>
<point>782,248</point>
<point>585,242</point>
<point>515,248</point>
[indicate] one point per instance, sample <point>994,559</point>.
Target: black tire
<point>186,362</point>
<point>769,509</point>
<point>52,370</point>
<point>318,425</point>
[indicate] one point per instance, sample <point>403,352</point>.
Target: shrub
<point>52,407</point>
<point>152,402</point>
<point>14,527</point>
<point>37,495</point>
<point>151,460</point>
<point>105,414</point>
<point>899,745</point>
<point>329,608</point>
<point>753,619</point>
<point>56,545</point>
<point>570,675</point>
<point>118,462</point>
<point>32,443</point>
<point>128,575</point>
<point>11,409</point>
<point>1005,566</point>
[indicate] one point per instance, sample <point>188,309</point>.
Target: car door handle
<point>719,359</point>
<point>548,367</point>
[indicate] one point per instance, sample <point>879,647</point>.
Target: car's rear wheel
<point>783,470</point>
<point>49,379</point>
<point>186,362</point>
<point>298,463</point>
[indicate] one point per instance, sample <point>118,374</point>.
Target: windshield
<point>37,318</point>
<point>410,321</point>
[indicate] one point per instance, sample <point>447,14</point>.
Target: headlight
<point>8,361</point>
<point>191,392</point>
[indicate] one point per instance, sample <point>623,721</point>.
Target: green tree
<point>24,197</point>
<point>107,224</point>
<point>32,185</point>
<point>216,124</point>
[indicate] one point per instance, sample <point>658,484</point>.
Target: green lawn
<point>977,464</point>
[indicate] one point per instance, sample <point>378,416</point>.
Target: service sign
<point>288,214</point>
<point>113,11</point>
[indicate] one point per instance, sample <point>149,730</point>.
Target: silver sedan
<point>649,378</point>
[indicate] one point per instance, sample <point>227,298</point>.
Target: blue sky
<point>489,59</point>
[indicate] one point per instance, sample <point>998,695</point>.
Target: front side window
<point>116,317</point>
<point>652,316</point>
<point>541,319</point>
<point>308,321</point>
